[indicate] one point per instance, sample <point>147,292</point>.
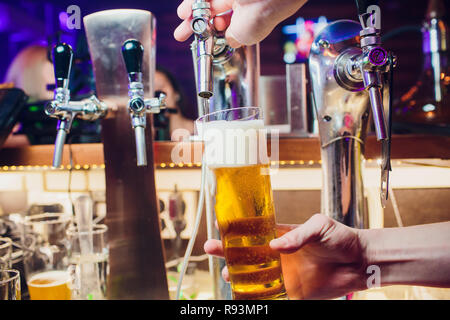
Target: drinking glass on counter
<point>239,184</point>
<point>98,258</point>
<point>46,258</point>
<point>5,253</point>
<point>9,284</point>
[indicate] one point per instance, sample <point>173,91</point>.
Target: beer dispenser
<point>122,48</point>
<point>348,67</point>
<point>225,78</point>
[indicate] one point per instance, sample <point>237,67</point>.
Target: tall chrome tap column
<point>347,65</point>
<point>122,45</point>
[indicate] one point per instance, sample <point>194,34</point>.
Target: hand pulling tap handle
<point>133,53</point>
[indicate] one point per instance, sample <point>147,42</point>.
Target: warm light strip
<point>46,167</point>
<point>282,163</point>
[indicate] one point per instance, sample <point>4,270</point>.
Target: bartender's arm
<point>324,259</point>
<point>251,21</point>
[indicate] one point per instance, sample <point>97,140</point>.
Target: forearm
<point>417,255</point>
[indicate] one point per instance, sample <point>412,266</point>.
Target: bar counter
<point>290,149</point>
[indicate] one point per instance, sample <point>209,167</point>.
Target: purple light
<point>4,17</point>
<point>63,17</point>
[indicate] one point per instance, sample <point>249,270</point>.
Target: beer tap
<point>225,77</point>
<point>204,44</point>
<point>133,51</point>
<point>347,66</point>
<point>61,107</point>
<point>364,69</point>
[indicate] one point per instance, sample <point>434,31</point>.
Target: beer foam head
<point>234,143</point>
<point>49,278</point>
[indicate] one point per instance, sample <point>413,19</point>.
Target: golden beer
<point>50,285</point>
<point>245,214</point>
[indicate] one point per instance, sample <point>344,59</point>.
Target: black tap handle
<point>62,62</point>
<point>133,52</point>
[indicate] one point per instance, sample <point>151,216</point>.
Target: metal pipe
<point>376,102</point>
<point>342,194</point>
<point>141,153</point>
<point>59,147</point>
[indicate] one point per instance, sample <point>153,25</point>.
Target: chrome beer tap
<point>203,46</point>
<point>369,66</point>
<point>62,108</point>
<point>133,51</point>
<point>225,77</point>
<point>347,68</point>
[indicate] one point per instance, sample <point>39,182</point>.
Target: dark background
<point>24,21</point>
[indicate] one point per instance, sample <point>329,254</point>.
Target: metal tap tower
<point>347,67</point>
<point>122,48</point>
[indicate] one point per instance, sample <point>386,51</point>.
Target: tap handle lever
<point>133,53</point>
<point>368,13</point>
<point>62,61</point>
<point>362,5</point>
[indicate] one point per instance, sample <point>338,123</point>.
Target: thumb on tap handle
<point>133,53</point>
<point>62,62</point>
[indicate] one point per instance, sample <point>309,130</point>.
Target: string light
<point>160,165</point>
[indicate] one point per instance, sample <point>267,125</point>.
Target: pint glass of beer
<point>46,259</point>
<point>239,185</point>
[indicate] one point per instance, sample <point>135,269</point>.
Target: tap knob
<point>62,62</point>
<point>133,53</point>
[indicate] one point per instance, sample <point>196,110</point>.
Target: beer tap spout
<point>204,38</point>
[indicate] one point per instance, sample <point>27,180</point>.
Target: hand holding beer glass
<point>239,182</point>
<point>46,256</point>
